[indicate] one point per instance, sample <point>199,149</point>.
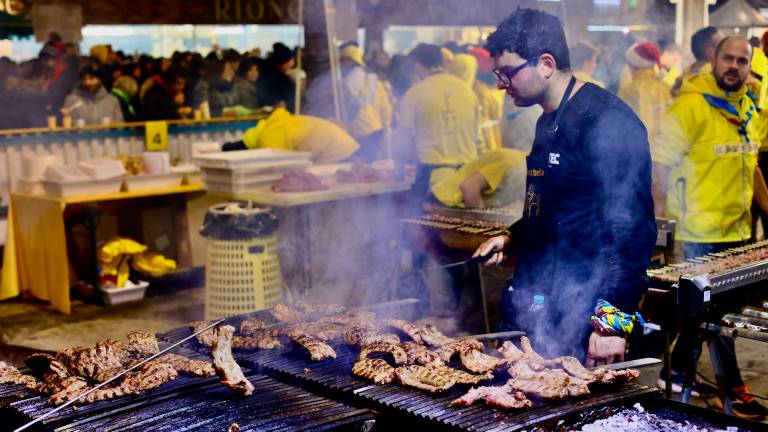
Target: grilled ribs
<point>478,362</point>
<point>251,326</point>
<point>447,350</point>
<point>397,353</point>
<point>432,335</point>
<point>504,397</point>
<point>318,350</point>
<point>362,336</point>
<point>412,330</point>
<point>419,354</point>
<point>424,378</point>
<point>285,314</point>
<point>376,370</point>
<point>188,366</point>
<point>224,363</point>
<point>462,377</point>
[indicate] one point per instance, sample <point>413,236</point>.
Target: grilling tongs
<point>137,365</point>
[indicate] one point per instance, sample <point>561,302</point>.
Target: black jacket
<point>158,104</point>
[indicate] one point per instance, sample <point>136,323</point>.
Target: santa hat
<point>483,59</point>
<point>643,55</point>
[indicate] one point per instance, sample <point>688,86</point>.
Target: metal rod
<point>152,357</point>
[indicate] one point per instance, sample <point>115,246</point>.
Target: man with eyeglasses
<point>588,227</point>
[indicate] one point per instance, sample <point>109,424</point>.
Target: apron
<point>538,217</point>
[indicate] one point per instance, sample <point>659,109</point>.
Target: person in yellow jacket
<point>703,44</point>
<point>465,67</point>
<point>324,140</point>
<point>646,93</point>
<point>705,176</point>
<point>438,120</point>
<point>496,179</point>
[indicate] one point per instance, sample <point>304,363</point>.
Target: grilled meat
<point>100,363</point>
<point>540,389</point>
<point>384,347</point>
<point>503,397</point>
<point>355,318</point>
<point>376,370</point>
<point>149,376</point>
<point>142,345</point>
<point>412,330</point>
<point>319,309</point>
<point>251,326</point>
<point>318,350</point>
<point>604,376</point>
<point>462,377</point>
<point>432,335</point>
<point>68,389</point>
<point>478,362</point>
<point>11,375</point>
<point>188,366</point>
<point>224,363</point>
<point>447,350</point>
<point>419,354</point>
<point>285,314</point>
<point>205,338</point>
<point>322,330</point>
<point>361,336</point>
<point>265,340</point>
<point>424,378</point>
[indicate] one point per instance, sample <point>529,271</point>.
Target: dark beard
<point>729,88</point>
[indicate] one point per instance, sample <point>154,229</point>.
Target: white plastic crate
<point>145,182</point>
<point>90,187</point>
<point>241,276</point>
<point>253,172</point>
<point>113,296</point>
<point>240,158</point>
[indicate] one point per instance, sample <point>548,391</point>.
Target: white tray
<point>90,187</point>
<point>264,182</point>
<point>152,181</point>
<point>249,172</point>
<point>234,159</point>
<point>113,296</point>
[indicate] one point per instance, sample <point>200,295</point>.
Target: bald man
<point>706,176</point>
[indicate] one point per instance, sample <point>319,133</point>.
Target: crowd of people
<point>109,86</point>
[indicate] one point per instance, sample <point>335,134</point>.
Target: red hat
<point>643,55</point>
<point>483,58</point>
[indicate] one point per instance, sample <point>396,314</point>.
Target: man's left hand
<point>605,349</point>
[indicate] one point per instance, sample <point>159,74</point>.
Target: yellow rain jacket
<point>504,169</point>
<point>325,140</point>
<point>581,76</point>
<point>464,67</point>
<point>713,165</point>
<point>648,96</point>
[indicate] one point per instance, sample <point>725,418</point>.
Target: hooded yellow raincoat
<point>713,165</point>
<point>648,96</point>
<point>326,141</point>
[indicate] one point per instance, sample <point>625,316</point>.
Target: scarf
<point>731,114</point>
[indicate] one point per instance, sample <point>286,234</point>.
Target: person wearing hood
<point>126,88</point>
<point>90,103</point>
<point>367,111</point>
<point>646,93</point>
<point>706,177</point>
<point>274,85</point>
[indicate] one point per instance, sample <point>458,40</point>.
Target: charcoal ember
<point>637,419</point>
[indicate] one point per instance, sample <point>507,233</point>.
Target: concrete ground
<point>27,327</point>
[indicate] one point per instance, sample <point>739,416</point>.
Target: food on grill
<point>322,330</point>
<point>755,312</point>
<point>251,326</point>
<point>745,322</point>
<point>384,347</point>
<point>351,319</point>
<point>205,338</point>
<point>319,309</point>
<point>504,397</point>
<point>447,350</point>
<point>412,330</point>
<point>425,378</point>
<point>100,363</point>
<point>285,314</point>
<point>540,388</point>
<point>263,340</point>
<point>432,335</point>
<point>67,390</point>
<point>557,383</point>
<point>318,350</point>
<point>715,264</point>
<point>462,377</point>
<point>362,336</point>
<point>142,344</point>
<point>478,362</point>
<point>360,173</point>
<point>188,366</point>
<point>298,181</point>
<point>11,375</point>
<point>224,363</point>
<point>376,370</point>
<point>419,354</point>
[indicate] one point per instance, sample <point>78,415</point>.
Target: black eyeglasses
<point>506,74</point>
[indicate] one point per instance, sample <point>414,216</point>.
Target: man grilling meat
<point>588,227</point>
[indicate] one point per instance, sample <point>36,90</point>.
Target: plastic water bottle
<point>538,303</point>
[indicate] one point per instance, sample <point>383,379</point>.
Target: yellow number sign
<point>157,135</point>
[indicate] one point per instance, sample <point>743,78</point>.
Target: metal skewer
<point>150,358</point>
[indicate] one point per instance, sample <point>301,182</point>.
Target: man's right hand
<point>497,244</point>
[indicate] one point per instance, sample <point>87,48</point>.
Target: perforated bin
<point>242,271</point>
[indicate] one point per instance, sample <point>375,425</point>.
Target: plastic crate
<point>241,158</point>
<point>113,296</point>
<point>241,276</point>
<point>259,183</point>
<point>77,188</point>
<point>145,182</point>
